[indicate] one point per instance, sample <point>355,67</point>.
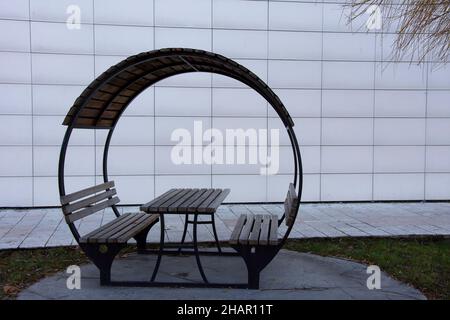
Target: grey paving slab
<point>291,275</point>
<point>45,227</point>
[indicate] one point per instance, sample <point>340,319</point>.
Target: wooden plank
<point>203,207</point>
<point>90,210</point>
<point>292,192</point>
<point>103,238</point>
<point>245,233</point>
<point>292,196</point>
<point>164,207</point>
<point>212,207</point>
<point>154,206</point>
<point>288,210</point>
<point>127,231</point>
<point>193,206</point>
<point>273,236</point>
<point>183,207</point>
<point>174,207</point>
<point>86,192</point>
<point>103,227</point>
<point>253,239</point>
<point>88,201</point>
<point>145,206</point>
<point>116,223</point>
<point>264,236</point>
<point>138,227</point>
<point>237,229</point>
<point>290,204</point>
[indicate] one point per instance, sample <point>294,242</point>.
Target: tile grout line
<point>321,111</point>
<point>212,85</point>
<point>373,117</point>
<point>162,26</point>
<point>33,228</point>
<point>426,135</point>
<point>267,104</point>
<point>233,87</point>
<point>94,49</point>
<point>154,107</point>
<point>32,109</point>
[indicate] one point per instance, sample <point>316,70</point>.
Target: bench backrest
<point>85,202</point>
<point>290,205</point>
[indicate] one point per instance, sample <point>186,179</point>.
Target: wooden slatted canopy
<point>102,103</point>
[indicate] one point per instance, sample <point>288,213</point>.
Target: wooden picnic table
<point>189,202</point>
<point>196,201</point>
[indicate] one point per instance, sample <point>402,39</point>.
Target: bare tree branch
<point>422,27</point>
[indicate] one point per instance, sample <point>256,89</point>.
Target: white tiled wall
<point>369,129</point>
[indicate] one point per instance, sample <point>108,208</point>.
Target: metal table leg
<point>216,238</point>
<point>197,256</point>
<point>161,247</point>
<point>183,238</point>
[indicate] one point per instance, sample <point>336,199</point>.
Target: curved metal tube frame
<point>298,171</point>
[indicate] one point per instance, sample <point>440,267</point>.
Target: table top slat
<point>152,206</point>
<point>193,206</point>
<point>187,200</point>
<point>213,205</point>
<point>164,207</point>
<point>174,207</point>
<point>204,206</point>
<point>183,207</point>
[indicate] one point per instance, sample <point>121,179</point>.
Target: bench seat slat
<point>256,230</point>
<point>107,229</point>
<point>125,230</point>
<point>144,223</point>
<point>234,239</point>
<point>265,226</point>
<point>117,228</point>
<point>120,230</point>
<point>106,226</point>
<point>245,233</point>
<point>273,238</point>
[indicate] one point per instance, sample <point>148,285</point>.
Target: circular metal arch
<point>102,103</point>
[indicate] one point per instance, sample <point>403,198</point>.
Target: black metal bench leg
<point>253,270</point>
<point>253,278</point>
<point>141,240</point>
<point>215,233</point>
<point>102,255</point>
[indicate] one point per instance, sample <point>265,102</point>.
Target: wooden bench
<point>255,237</point>
<point>102,244</point>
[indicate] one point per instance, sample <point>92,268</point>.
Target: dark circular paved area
<point>291,275</point>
